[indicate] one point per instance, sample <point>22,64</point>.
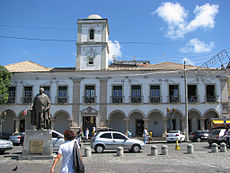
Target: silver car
<point>110,140</point>
<point>17,138</point>
<point>5,145</point>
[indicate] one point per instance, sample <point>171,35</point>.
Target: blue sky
<point>155,30</point>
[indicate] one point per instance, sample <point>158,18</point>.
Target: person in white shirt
<point>66,150</point>
<point>87,133</point>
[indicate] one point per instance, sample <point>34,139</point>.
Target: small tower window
<point>91,61</point>
<point>91,34</point>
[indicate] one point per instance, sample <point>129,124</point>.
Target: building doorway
<point>139,127</point>
<point>89,122</point>
<point>22,125</point>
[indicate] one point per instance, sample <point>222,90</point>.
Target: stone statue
<point>40,113</point>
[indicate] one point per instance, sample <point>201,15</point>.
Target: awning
<point>220,121</point>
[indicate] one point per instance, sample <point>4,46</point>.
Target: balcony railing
<point>192,99</point>
<point>174,99</point>
<point>117,100</point>
<point>27,100</point>
<point>211,98</point>
<point>61,100</point>
<point>136,99</point>
<point>11,100</point>
<point>156,99</point>
<point>89,100</point>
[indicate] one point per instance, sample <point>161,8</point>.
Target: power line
<point>37,39</point>
<point>36,27</point>
<point>73,41</point>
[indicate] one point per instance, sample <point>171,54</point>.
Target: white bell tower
<point>92,43</point>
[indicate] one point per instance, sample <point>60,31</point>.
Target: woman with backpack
<point>66,150</point>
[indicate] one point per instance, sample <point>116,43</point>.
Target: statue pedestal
<point>37,145</point>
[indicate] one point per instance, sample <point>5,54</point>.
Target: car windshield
<point>173,131</point>
<point>215,132</point>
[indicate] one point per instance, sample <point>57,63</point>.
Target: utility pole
<point>186,104</point>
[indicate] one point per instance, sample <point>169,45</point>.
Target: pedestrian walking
<point>129,133</point>
<point>145,135</point>
<point>87,134</point>
<point>93,131</point>
<point>66,150</point>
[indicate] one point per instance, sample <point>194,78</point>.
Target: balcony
<point>211,98</point>
<point>192,99</point>
<point>11,100</point>
<point>155,99</point>
<point>27,100</point>
<point>174,99</point>
<point>117,100</point>
<point>61,100</point>
<point>136,99</point>
<point>89,100</point>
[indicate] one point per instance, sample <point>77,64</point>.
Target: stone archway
<point>117,121</point>
<point>209,114</point>
<point>61,121</point>
<point>156,123</point>
<point>177,120</point>
<point>194,121</point>
<point>136,123</point>
<point>8,121</point>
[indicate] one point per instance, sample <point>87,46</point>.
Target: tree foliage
<point>5,78</point>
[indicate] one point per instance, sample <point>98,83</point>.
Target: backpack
<point>78,164</point>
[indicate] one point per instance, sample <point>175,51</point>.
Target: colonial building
<point>123,95</point>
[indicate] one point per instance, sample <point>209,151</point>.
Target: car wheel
<point>2,151</point>
<point>136,148</point>
<point>99,148</point>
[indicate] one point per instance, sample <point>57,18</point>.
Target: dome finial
<point>94,16</point>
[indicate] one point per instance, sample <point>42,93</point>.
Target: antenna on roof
<point>114,57</point>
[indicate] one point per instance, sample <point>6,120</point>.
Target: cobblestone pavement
<point>202,160</point>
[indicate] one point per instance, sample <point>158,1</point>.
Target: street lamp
<point>171,115</point>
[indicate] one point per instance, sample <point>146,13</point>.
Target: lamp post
<point>186,104</point>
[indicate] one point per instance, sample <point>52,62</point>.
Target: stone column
<point>165,127</point>
<point>70,122</point>
<point>76,101</point>
<point>108,123</point>
<point>103,101</point>
<point>146,122</point>
<point>17,125</point>
<point>126,124</point>
<point>52,123</point>
<point>202,123</point>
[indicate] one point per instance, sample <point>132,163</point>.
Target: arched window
<point>91,34</point>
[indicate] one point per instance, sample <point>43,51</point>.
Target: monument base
<point>37,145</point>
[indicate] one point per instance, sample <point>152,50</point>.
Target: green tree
<point>5,78</point>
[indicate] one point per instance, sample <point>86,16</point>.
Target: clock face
<point>90,52</point>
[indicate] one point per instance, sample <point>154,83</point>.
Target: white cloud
<point>204,17</point>
<point>114,49</point>
<point>175,16</point>
<point>188,61</point>
<point>197,46</point>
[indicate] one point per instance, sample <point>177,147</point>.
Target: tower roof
<point>94,16</point>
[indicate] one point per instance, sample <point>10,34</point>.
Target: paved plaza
<point>202,160</point>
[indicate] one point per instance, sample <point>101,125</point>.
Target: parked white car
<point>175,135</point>
<point>57,140</point>
<point>110,140</point>
<point>5,145</point>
